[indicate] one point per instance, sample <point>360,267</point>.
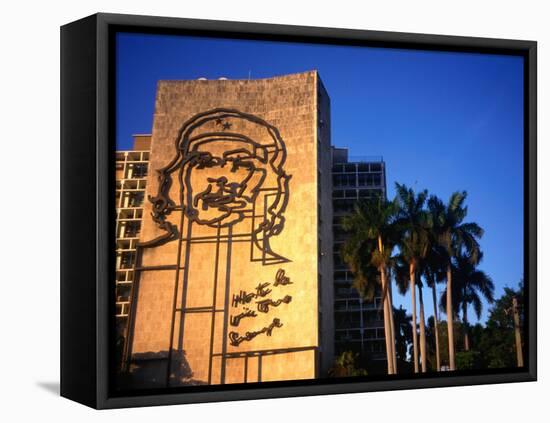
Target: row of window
<point>132,156</point>
<point>122,308</point>
<point>368,333</point>
<point>342,275</point>
<point>128,229</point>
<point>124,276</point>
<point>346,305</point>
<point>355,336</point>
<point>357,180</point>
<point>356,167</point>
<point>125,259</point>
<point>131,184</point>
<point>353,320</point>
<point>343,206</point>
<point>131,173</point>
<point>130,213</point>
<point>129,199</point>
<point>356,194</point>
<point>123,293</point>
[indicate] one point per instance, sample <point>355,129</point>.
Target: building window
<point>338,262</point>
<point>137,170</point>
<point>370,180</point>
<point>343,180</point>
<point>366,193</point>
<point>344,206</point>
<point>131,229</point>
<point>133,199</point>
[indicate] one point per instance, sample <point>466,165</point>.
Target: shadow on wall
<point>149,370</point>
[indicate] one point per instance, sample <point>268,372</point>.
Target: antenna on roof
<point>249,73</point>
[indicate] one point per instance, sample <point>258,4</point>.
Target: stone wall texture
<point>185,296</point>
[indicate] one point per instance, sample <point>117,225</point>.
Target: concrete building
<point>131,173</point>
<point>232,266</point>
<point>359,325</point>
<point>131,179</point>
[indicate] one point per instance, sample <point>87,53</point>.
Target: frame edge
<point>409,40</point>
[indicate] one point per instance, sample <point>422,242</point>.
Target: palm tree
<point>401,276</point>
<point>433,270</point>
<point>403,333</point>
<point>453,238</point>
<point>414,242</point>
<point>402,280</point>
<point>470,284</point>
<point>372,233</point>
<point>345,365</point>
<point>423,349</point>
<point>392,308</point>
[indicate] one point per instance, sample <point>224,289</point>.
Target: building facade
<point>232,266</point>
<point>131,172</point>
<point>131,178</point>
<point>359,325</point>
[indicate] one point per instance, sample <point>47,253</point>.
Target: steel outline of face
<point>272,154</point>
<point>222,200</point>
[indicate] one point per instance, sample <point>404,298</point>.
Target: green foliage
<point>492,344</point>
<point>345,365</point>
<point>403,332</point>
<point>386,237</point>
<point>371,239</point>
<point>443,343</point>
<point>413,223</point>
<point>470,285</point>
<point>466,360</point>
<point>497,342</point>
<point>451,234</point>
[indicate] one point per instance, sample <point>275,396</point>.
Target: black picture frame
<point>87,177</point>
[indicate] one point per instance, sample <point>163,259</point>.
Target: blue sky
<point>442,121</point>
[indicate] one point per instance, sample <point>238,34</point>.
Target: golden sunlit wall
<point>233,266</point>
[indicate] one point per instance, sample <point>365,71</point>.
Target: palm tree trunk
<point>519,348</point>
<point>436,326</point>
<point>450,323</point>
<point>412,278</point>
<point>422,331</point>
<point>387,321</point>
<point>392,326</point>
<point>388,315</point>
<point>465,324</point>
